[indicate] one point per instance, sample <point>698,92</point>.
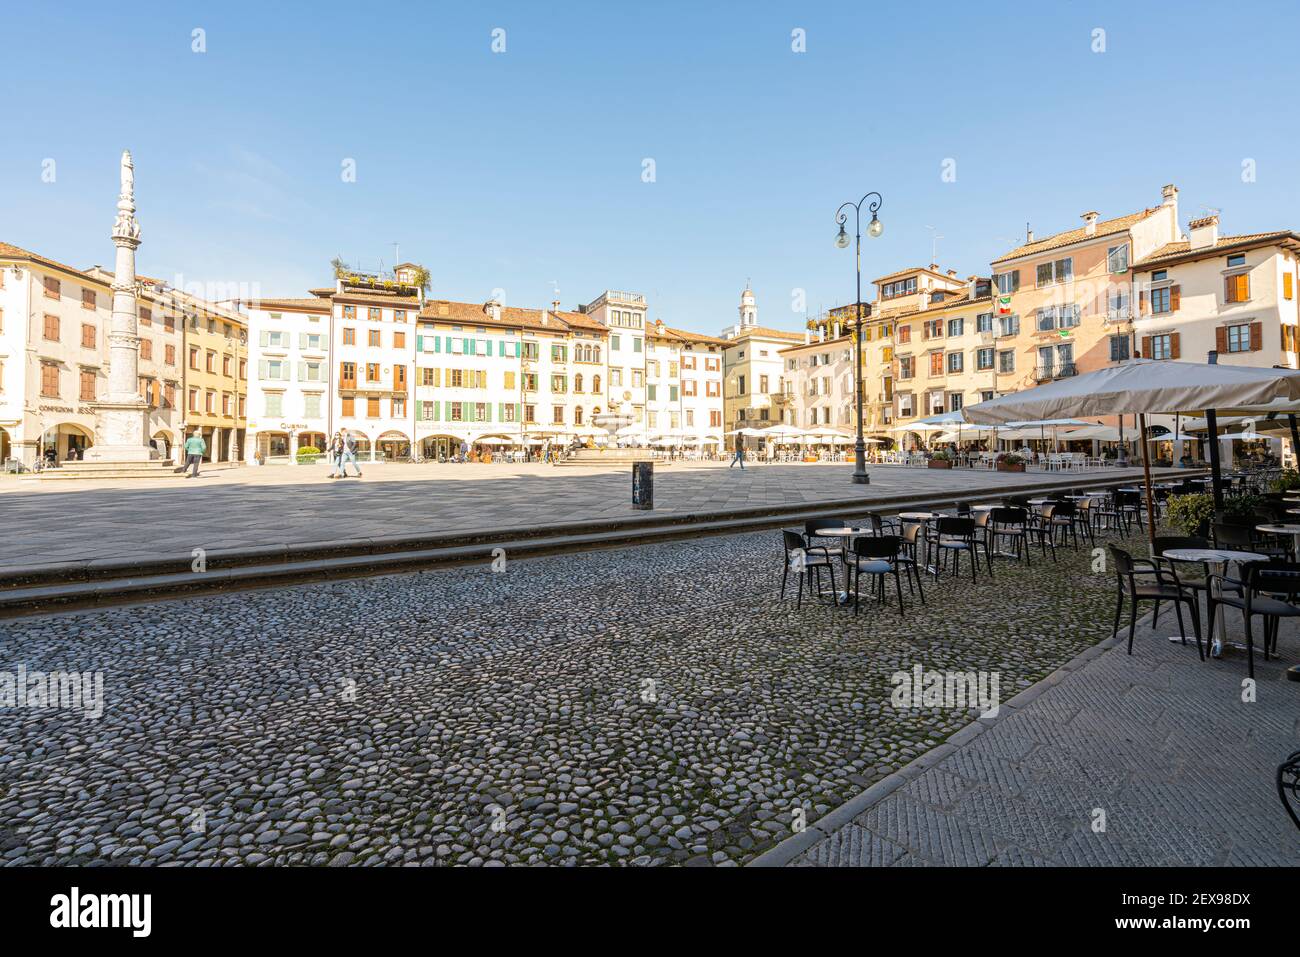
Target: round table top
<point>1212,555</point>
<point>916,516</point>
<point>983,508</point>
<point>1279,529</point>
<point>844,532</point>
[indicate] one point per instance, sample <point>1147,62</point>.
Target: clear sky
<point>512,170</point>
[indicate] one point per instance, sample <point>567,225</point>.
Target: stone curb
<point>790,848</point>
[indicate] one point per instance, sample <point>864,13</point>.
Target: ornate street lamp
<point>874,229</point>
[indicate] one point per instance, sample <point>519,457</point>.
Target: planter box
<point>1004,467</point>
<point>940,464</point>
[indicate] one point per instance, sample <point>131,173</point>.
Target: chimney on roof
<point>1170,194</point>
<point>952,273</point>
<point>934,267</point>
<point>1090,223</point>
<point>1029,234</point>
<point>1203,233</point>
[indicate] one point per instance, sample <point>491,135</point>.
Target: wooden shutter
<point>1221,339</point>
<point>1287,288</point>
<point>1146,347</point>
<point>1256,336</point>
<point>1142,306</point>
<point>1173,346</point>
<point>1174,299</point>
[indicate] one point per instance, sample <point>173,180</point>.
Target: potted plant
<point>1191,514</point>
<point>1288,480</point>
<point>941,459</point>
<point>1010,462</point>
<point>308,454</point>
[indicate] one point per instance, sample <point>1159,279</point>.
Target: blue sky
<point>512,170</point>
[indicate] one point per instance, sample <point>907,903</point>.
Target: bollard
<point>643,485</point>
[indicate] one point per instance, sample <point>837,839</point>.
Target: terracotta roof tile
<point>1171,251</point>
<point>315,305</point>
<point>10,251</point>
<point>1106,227</point>
<point>748,331</point>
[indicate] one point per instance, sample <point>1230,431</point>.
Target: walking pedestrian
<point>335,452</point>
<point>348,454</point>
<point>195,447</point>
<point>740,453</point>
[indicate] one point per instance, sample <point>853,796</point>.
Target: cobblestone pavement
<point>275,505</point>
<point>1158,748</point>
<point>639,706</point>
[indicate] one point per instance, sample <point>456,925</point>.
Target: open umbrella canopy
<point>944,418</point>
<point>1142,386</point>
<point>781,431</point>
<point>1102,433</point>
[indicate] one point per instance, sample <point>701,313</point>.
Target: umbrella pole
<point>1212,432</point>
<point>1295,442</point>
<point>1146,471</point>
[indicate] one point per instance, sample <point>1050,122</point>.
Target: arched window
<point>577,382</point>
<point>577,416</point>
<point>595,383</point>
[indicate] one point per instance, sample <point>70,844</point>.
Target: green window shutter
<point>487,411</point>
<point>519,412</point>
<point>650,392</point>
<point>467,412</point>
<point>419,342</point>
<point>517,350</point>
<point>264,337</point>
<point>447,410</point>
<point>263,368</point>
<point>437,343</point>
<point>302,372</point>
<point>501,349</point>
<point>448,338</point>
<point>672,393</point>
<point>324,341</point>
<point>436,410</point>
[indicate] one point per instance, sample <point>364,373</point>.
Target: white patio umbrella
<point>495,440</point>
<point>1146,386</point>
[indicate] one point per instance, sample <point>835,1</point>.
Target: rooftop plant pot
<point>940,464</point>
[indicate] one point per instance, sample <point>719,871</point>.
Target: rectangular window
<point>984,359</point>
<point>87,385</point>
<point>1237,288</point>
<point>88,338</point>
<point>1238,338</point>
<point>984,322</point>
<point>1117,304</point>
<point>1008,282</point>
<point>1162,347</point>
<point>955,360</point>
<point>1239,259</point>
<point>1160,302</point>
<point>146,349</point>
<point>1119,348</point>
<point>349,406</point>
<point>311,406</point>
<point>936,363</point>
<point>1287,290</point>
<point>169,355</point>
<point>372,406</point>
<point>904,334</point>
<point>1009,325</point>
<point>52,288</point>
<point>1059,270</point>
<point>1007,360</point>
<point>956,327</point>
<point>905,367</point>
<point>375,314</point>
<point>1117,259</point>
<point>372,338</point>
<point>87,299</point>
<point>275,404</point>
<point>349,336</point>
<point>51,328</point>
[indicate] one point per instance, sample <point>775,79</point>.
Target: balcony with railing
<point>1062,371</point>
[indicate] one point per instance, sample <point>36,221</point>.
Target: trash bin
<point>643,485</point>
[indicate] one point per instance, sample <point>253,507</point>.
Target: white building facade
<point>290,384</point>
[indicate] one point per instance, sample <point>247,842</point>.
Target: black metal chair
<point>1288,786</point>
<point>877,556</point>
<point>1260,586</point>
<point>812,530</point>
<point>1008,524</point>
<point>880,525</point>
<point>1164,543</point>
<point>806,561</point>
<point>1165,587</point>
<point>1060,518</point>
<point>954,537</point>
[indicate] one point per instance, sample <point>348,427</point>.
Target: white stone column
<point>121,416</point>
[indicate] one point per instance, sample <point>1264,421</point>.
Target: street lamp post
<point>874,229</point>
